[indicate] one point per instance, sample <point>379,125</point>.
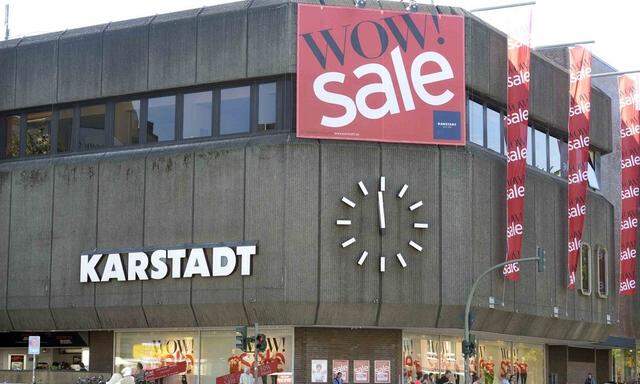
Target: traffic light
<point>261,342</point>
<point>241,338</point>
<point>541,255</point>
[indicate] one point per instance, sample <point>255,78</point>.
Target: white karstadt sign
<point>156,264</point>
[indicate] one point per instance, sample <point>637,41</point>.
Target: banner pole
<point>33,370</point>
<point>496,7</point>
<point>569,44</point>
<point>608,74</point>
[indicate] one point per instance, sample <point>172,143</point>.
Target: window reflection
<point>540,142</point>
<point>127,123</point>
<point>558,157</point>
<point>266,106</point>
<point>585,269</point>
<point>12,144</point>
<point>493,130</point>
<point>529,146</point>
<point>161,119</point>
<point>235,110</point>
<point>38,133</point>
<point>92,127</point>
<point>603,272</point>
<point>476,123</point>
<point>65,126</point>
<point>197,114</point>
<point>593,170</point>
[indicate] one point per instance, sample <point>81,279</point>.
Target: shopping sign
<point>34,345</point>
<point>263,370</point>
<point>379,75</point>
<point>166,371</point>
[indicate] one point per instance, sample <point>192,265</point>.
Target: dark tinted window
<point>65,125</point>
<point>38,133</point>
<point>235,110</point>
<point>540,143</point>
<point>493,130</point>
<point>92,127</point>
<point>196,121</point>
<point>266,106</point>
<point>161,120</point>
<point>12,143</point>
<point>476,123</point>
<point>127,123</point>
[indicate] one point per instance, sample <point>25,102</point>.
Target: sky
<point>611,25</point>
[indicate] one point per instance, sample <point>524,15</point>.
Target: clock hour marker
<point>348,242</point>
<point>363,188</point>
<point>403,191</point>
<point>363,257</point>
<point>420,225</point>
<point>343,222</point>
<point>382,184</point>
<point>401,260</point>
<point>348,202</point>
<point>415,245</point>
<point>382,264</point>
<point>415,205</point>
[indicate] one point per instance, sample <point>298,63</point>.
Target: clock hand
<point>381,212</point>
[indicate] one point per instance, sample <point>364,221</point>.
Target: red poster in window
<point>517,123</point>
<point>361,371</point>
<point>629,97</point>
<point>341,366</point>
<point>579,115</point>
<point>379,75</point>
<point>382,371</point>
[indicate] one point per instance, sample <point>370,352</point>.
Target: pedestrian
<point>504,379</point>
<point>418,379</point>
<point>446,378</point>
<point>139,376</point>
<point>590,379</point>
<point>337,379</point>
<point>245,377</point>
<point>475,379</point>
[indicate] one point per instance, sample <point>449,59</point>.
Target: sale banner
<point>517,123</point>
<point>382,371</point>
<point>380,75</point>
<point>630,181</point>
<point>341,366</point>
<point>265,369</point>
<point>579,116</point>
<point>166,371</point>
<point>361,371</point>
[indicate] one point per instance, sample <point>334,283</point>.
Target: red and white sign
<point>382,371</point>
<point>579,116</point>
<point>34,345</point>
<point>628,94</point>
<point>341,366</point>
<point>379,75</point>
<point>517,123</point>
<point>263,370</point>
<point>361,371</point>
<point>166,371</point>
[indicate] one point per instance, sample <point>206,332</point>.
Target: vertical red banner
<point>517,123</point>
<point>579,116</point>
<point>630,180</point>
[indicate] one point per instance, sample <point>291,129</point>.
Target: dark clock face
<point>382,195</point>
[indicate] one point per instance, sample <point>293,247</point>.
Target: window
<point>530,145</point>
<point>584,269</point>
<point>65,127</point>
<point>92,127</point>
<point>161,119</point>
<point>493,130</point>
<point>12,143</point>
<point>235,110</point>
<point>266,106</point>
<point>540,148</point>
<point>38,133</point>
<point>198,112</point>
<point>603,272</point>
<point>476,123</point>
<point>558,157</point>
<point>126,127</point>
<point>593,170</point>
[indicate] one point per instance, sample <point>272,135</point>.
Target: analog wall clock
<point>382,196</point>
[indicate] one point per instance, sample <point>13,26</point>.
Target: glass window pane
<point>476,123</point>
<point>65,125</point>
<point>127,123</point>
<point>92,127</point>
<point>266,106</point>
<point>529,146</point>
<point>493,130</point>
<point>558,157</point>
<point>593,170</point>
<point>540,141</point>
<point>603,272</point>
<point>12,146</point>
<point>235,110</point>
<point>585,269</point>
<point>197,114</point>
<point>38,133</point>
<point>161,119</point>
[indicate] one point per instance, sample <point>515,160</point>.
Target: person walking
<point>245,377</point>
<point>337,379</point>
<point>590,379</point>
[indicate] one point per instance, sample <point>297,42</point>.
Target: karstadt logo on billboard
<point>379,75</point>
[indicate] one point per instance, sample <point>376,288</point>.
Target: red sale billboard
<point>379,75</point>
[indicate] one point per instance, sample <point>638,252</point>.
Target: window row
<point>202,113</point>
<point>545,152</point>
<point>586,270</point>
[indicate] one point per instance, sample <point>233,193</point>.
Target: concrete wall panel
<point>276,24</point>
<point>5,221</point>
<point>125,57</point>
<point>219,217</point>
<point>120,225</point>
<point>37,67</point>
<point>172,50</point>
<point>168,221</point>
<point>74,228</point>
<point>411,290</point>
<point>80,64</point>
<point>8,57</point>
<point>545,225</point>
<point>30,249</point>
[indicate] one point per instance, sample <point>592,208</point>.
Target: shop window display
<point>432,355</point>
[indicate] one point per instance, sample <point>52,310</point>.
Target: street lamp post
<point>539,259</point>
